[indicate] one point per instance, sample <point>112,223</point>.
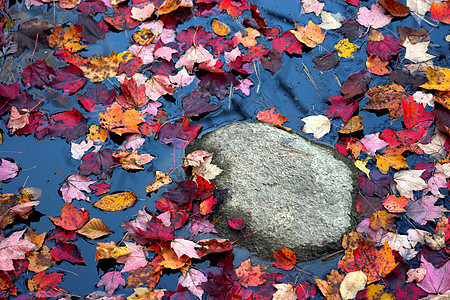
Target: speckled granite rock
<point>301,199</point>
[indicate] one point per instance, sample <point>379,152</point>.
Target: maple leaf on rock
<point>38,73</point>
<point>12,248</point>
<point>374,18</point>
<point>45,285</point>
<point>71,218</point>
<point>111,281</point>
<point>284,259</point>
<point>74,187</point>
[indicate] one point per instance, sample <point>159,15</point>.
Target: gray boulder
<point>293,192</point>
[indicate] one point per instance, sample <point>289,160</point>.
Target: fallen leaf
<point>284,259</point>
<point>101,68</point>
<point>45,285</point>
<point>408,181</point>
<point>39,74</point>
<point>94,229</point>
<point>8,170</point>
<point>40,260</point>
<point>312,6</point>
<point>193,280</point>
<point>344,48</point>
<point>269,116</point>
<point>436,280</point>
<point>352,125</point>
<point>440,12</point>
<point>160,181</point>
<point>68,38</point>
<point>248,39</point>
<point>330,21</point>
<point>377,66</point>
<point>250,275</point>
<point>395,204</point>
<point>236,224</point>
<point>12,248</point>
<point>285,291</point>
<point>417,52</point>
<point>311,35</point>
<point>352,284</point>
<point>220,28</point>
<point>16,120</point>
<point>424,210</point>
<point>387,96</point>
<point>74,187</point>
<point>132,160</point>
<point>356,84</point>
<point>395,8</point>
<point>71,218</point>
<point>184,247</point>
<point>133,260</point>
<point>120,122</point>
<point>116,201</point>
<point>373,18</point>
<point>195,54</point>
<point>68,252</point>
<point>318,125</point>
<point>438,79</point>
<point>111,281</point>
<point>330,288</point>
<point>391,158</point>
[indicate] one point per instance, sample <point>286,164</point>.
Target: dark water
<point>288,90</point>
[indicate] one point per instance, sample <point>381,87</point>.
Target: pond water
<point>289,90</point>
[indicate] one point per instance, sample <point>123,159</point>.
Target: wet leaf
<point>119,121</point>
<point>74,187</point>
<point>8,170</point>
<point>116,201</point>
<point>356,84</point>
<point>395,8</point>
<point>67,251</point>
<point>46,285</point>
<point>133,260</point>
<point>111,281</point>
<point>94,229</point>
<point>284,259</point>
<point>374,18</point>
<point>39,74</point>
<point>311,35</point>
<point>438,79</point>
<point>269,116</point>
<point>40,260</point>
<point>330,288</point>
<point>101,68</point>
<point>345,49</point>
<point>71,218</point>
<point>250,275</point>
<point>352,125</point>
<point>387,96</point>
<point>100,163</point>
<point>69,38</point>
<point>440,12</point>
<point>352,284</point>
<point>220,28</point>
<point>318,125</point>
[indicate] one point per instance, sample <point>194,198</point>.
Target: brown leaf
<point>330,288</point>
<point>352,125</point>
<point>94,229</point>
<point>40,260</point>
<point>395,8</point>
<point>387,96</point>
<point>101,68</point>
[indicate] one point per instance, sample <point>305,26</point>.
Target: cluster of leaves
<point>161,59</point>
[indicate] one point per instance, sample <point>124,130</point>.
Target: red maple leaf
<point>68,124</point>
<point>91,7</point>
<point>38,123</point>
<point>284,259</point>
<point>378,184</point>
<point>100,163</point>
<point>9,91</point>
<point>234,7</point>
<point>71,218</point>
<point>414,114</point>
<point>220,44</point>
<point>193,36</point>
<point>60,234</point>
<point>287,42</point>
<point>101,188</point>
<point>149,230</point>
<point>92,31</point>
<point>341,107</point>
<point>179,134</point>
<point>97,95</point>
<point>20,101</point>
<point>38,73</point>
<point>132,95</point>
<point>197,103</point>
<point>218,84</point>
<point>236,224</point>
<point>131,66</point>
<point>384,49</point>
<point>122,18</point>
<point>45,285</point>
<point>67,251</point>
<point>356,84</point>
<point>69,78</point>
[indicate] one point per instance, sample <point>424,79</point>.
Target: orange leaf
<point>143,37</point>
<point>119,121</point>
<point>377,66</point>
<point>161,180</point>
<point>440,12</point>
<point>443,98</point>
<point>387,96</point>
<point>351,241</point>
<point>40,260</point>
<point>391,158</point>
<point>352,125</point>
<point>330,288</point>
<point>250,275</point>
<point>376,292</point>
<point>172,261</point>
<point>311,35</point>
<point>117,201</point>
<point>383,219</point>
<point>69,38</point>
<point>395,8</point>
<point>284,259</point>
<point>101,68</point>
<point>395,204</point>
<point>376,264</point>
<point>269,117</point>
<point>71,218</point>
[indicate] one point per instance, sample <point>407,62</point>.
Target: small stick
<point>332,254</point>
<point>65,179</point>
<point>35,45</point>
<point>243,237</point>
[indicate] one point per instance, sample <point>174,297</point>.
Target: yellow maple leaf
<point>101,68</point>
<point>344,48</point>
<point>97,134</point>
<point>119,121</point>
<point>161,180</point>
<point>69,38</point>
<point>311,35</point>
<point>438,79</point>
<point>248,39</point>
<point>391,158</point>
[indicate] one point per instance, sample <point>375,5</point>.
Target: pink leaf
<point>13,248</point>
<point>373,143</point>
<point>437,280</point>
<point>435,183</point>
<point>74,187</point>
<point>111,281</point>
<point>133,260</point>
<point>193,280</point>
<point>8,170</point>
<point>184,247</point>
<point>236,224</point>
<point>423,210</point>
<point>375,17</point>
<point>24,208</point>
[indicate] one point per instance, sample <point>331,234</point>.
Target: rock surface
<point>294,192</point>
